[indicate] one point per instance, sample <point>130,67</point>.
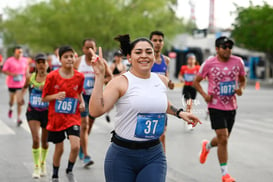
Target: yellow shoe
<point>36,172</point>
<point>43,169</point>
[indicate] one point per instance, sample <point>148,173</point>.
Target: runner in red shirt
<point>63,88</point>
<point>186,75</point>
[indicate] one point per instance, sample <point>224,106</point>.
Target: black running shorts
<point>38,116</point>
<point>222,119</point>
<point>189,92</point>
<point>13,90</point>
<point>59,136</point>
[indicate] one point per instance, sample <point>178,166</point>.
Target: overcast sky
<point>223,10</point>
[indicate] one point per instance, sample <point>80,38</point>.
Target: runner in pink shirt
<point>226,77</point>
<point>16,69</point>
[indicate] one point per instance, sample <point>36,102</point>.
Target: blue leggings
<point>127,165</point>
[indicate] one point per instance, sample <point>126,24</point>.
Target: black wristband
<point>177,112</point>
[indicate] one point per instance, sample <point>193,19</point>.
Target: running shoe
<point>70,176</point>
<point>108,118</point>
<point>81,154</point>
<point>10,113</point>
<point>227,178</point>
<point>204,152</point>
<point>87,161</point>
<point>43,169</point>
<point>188,127</point>
<point>19,122</point>
<point>55,180</point>
<point>36,172</point>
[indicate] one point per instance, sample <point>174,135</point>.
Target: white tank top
<point>55,62</point>
<point>142,96</point>
<point>89,76</point>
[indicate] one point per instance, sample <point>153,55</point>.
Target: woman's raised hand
<point>97,62</point>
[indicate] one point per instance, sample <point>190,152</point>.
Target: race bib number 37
<point>150,125</point>
<point>227,88</point>
<point>66,106</point>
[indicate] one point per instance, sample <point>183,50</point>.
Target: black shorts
<point>59,136</point>
<point>13,90</point>
<point>189,92</point>
<point>41,116</point>
<point>222,119</point>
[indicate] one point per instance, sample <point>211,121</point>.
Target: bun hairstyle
<point>126,46</point>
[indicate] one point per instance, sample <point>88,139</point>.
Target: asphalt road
<point>250,144</point>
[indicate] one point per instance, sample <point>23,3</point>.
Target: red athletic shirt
<point>189,74</point>
<point>60,116</point>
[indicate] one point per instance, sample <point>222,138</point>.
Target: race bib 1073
<point>227,88</point>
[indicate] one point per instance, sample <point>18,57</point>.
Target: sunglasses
<point>226,46</point>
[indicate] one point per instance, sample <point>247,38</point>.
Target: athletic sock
<point>55,172</point>
<point>208,146</point>
<point>43,154</point>
<point>69,166</point>
<point>224,168</point>
<point>36,156</point>
<point>10,106</point>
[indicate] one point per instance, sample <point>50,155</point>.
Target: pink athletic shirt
<point>16,66</point>
<point>222,81</point>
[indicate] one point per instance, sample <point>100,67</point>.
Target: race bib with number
<point>150,125</point>
<point>189,77</point>
<point>66,106</point>
<point>35,99</point>
<point>227,88</point>
<point>88,83</point>
<point>18,78</point>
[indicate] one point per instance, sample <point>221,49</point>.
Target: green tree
<point>51,23</point>
<point>253,28</point>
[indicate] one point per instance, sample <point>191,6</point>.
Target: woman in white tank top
<point>141,102</point>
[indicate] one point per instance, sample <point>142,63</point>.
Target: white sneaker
<point>188,127</point>
<point>36,172</point>
<point>70,176</point>
<point>55,180</point>
<point>43,171</point>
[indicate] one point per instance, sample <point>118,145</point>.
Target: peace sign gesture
<point>97,62</point>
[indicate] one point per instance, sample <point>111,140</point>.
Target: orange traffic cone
<point>257,85</point>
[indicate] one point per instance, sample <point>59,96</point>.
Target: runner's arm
<point>108,73</point>
<point>198,87</point>
<point>57,96</point>
<point>242,85</point>
<point>186,116</point>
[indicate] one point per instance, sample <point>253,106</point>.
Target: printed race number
<point>18,78</point>
<point>67,106</point>
<point>227,88</point>
<point>150,125</point>
<point>88,83</point>
<point>189,77</point>
<point>36,101</point>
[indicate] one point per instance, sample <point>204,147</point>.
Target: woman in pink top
<point>16,69</point>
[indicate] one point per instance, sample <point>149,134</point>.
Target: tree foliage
<point>47,24</point>
<point>253,28</point>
